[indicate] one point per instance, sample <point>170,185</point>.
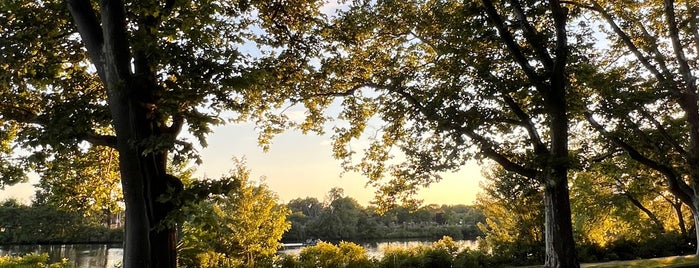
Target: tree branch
<point>680,56</point>
<point>488,150</point>
<point>512,46</point>
<point>88,25</point>
<point>532,36</point>
<point>659,58</point>
<point>675,183</point>
<point>663,132</point>
<point>694,23</point>
<point>101,140</point>
<point>627,41</point>
<point>539,146</point>
<point>176,126</point>
<point>19,114</point>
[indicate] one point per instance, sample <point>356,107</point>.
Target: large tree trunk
<point>560,245</point>
<point>149,242</point>
<point>132,106</point>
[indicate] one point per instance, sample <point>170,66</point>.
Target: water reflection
<point>81,256</point>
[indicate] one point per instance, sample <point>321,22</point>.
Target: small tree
<point>236,228</point>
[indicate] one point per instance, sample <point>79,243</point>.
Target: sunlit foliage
<point>236,228</point>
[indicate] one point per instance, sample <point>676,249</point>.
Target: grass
<point>674,261</point>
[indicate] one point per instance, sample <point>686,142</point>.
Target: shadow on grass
<point>674,261</point>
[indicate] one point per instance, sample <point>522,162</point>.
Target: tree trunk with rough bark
<point>147,243</point>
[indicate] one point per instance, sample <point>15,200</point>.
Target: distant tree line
<point>343,218</point>
<point>45,224</point>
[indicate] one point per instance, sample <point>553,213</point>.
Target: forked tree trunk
<point>560,245</point>
<point>146,243</point>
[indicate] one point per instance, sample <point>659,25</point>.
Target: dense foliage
<point>448,253</point>
<point>42,224</point>
<point>344,219</point>
<point>601,97</point>
<point>236,228</point>
<point>132,75</point>
<point>443,253</point>
<point>31,260</point>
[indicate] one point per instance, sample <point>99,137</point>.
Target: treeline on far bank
<point>343,218</point>
<point>46,224</point>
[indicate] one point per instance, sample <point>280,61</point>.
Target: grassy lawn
<point>675,261</point>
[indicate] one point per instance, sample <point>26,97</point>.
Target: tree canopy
<point>132,75</point>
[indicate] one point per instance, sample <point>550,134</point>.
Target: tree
<point>646,100</point>
<point>625,198</point>
<point>86,182</point>
<point>244,225</point>
<point>448,81</point>
<point>309,206</point>
<point>338,220</point>
<point>131,75</point>
<point>513,217</point>
<point>304,213</point>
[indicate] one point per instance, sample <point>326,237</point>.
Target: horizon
<point>296,166</point>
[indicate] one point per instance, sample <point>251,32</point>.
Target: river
<point>109,256</point>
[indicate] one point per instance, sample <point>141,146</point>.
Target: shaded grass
<point>674,261</point>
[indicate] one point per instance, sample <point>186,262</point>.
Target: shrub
<point>400,257</point>
<point>326,255</point>
<point>472,259</point>
<point>288,261</point>
<point>31,260</point>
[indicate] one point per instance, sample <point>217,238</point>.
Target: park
<point>582,115</point>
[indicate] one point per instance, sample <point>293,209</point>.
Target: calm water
<point>109,256</point>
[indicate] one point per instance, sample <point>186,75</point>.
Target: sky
<point>298,165</point>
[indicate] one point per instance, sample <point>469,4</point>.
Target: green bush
<point>31,260</point>
<point>400,258</point>
<point>472,259</point>
<point>661,245</point>
<point>443,253</point>
<point>326,255</point>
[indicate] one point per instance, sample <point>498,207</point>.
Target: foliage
<point>46,224</point>
<point>513,218</point>
<point>132,75</point>
<point>233,229</point>
<point>345,219</point>
<point>618,198</point>
<point>346,254</point>
<point>643,96</point>
<point>444,82</point>
<point>84,181</point>
<point>31,260</point>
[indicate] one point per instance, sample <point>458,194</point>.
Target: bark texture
<point>132,103</point>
